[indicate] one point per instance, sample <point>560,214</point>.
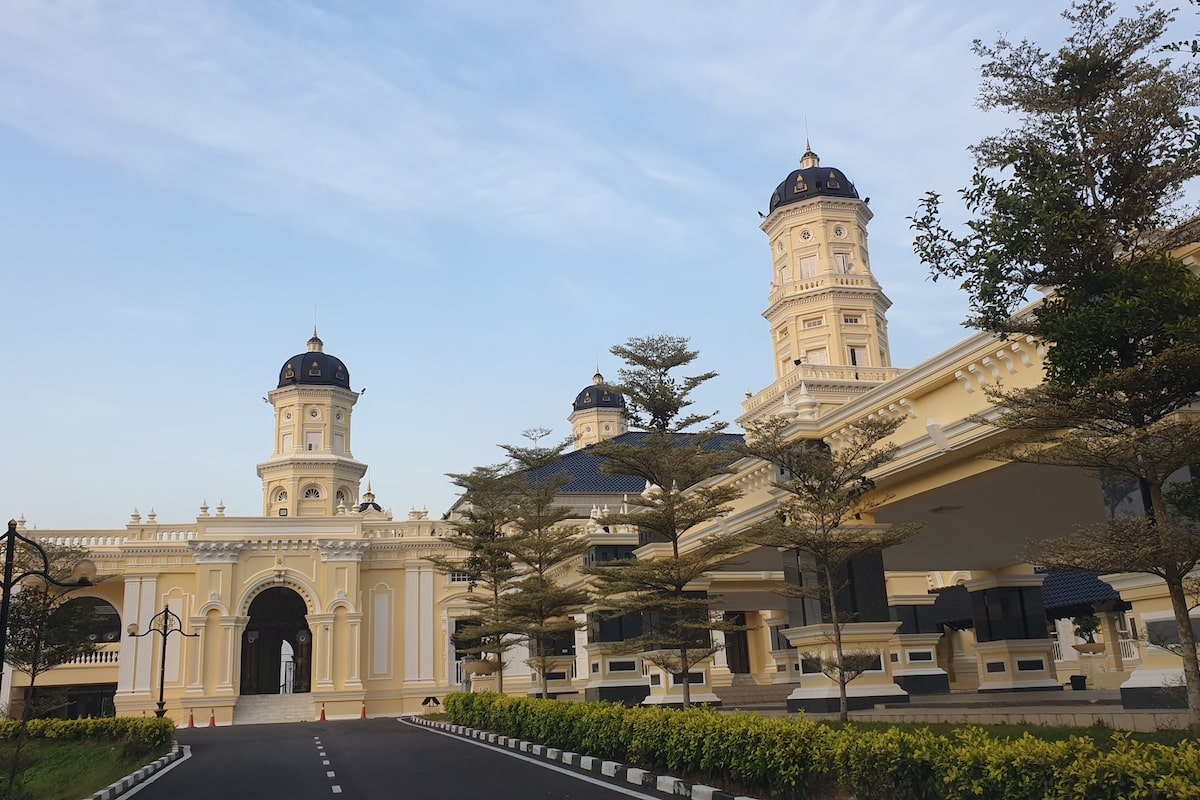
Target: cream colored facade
<point>368,620</point>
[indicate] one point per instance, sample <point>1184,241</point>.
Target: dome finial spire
<point>809,159</point>
<point>315,345</point>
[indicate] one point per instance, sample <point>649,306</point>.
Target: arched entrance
<point>276,617</point>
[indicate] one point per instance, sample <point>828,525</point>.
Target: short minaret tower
<point>827,313</point>
<point>598,413</point>
<point>311,471</point>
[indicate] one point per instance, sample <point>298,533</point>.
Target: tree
<point>487,506</point>
<point>1080,201</point>
<point>45,630</point>
<point>539,607</point>
<point>1083,192</point>
<point>827,492</point>
<point>678,467</point>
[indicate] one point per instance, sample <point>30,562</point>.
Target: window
<point>841,261</point>
<point>857,356</point>
<point>312,493</point>
<point>460,577</point>
<point>282,496</point>
<point>341,498</point>
<point>808,267</point>
<point>851,319</point>
<point>814,322</point>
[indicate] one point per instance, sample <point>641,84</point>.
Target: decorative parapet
<point>83,542</point>
<point>855,379</point>
<point>216,552</point>
<point>341,549</point>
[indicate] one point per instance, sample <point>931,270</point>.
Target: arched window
<point>101,621</point>
<point>282,496</point>
<point>341,498</point>
<point>312,493</point>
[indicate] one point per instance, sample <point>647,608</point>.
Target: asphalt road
<point>377,759</point>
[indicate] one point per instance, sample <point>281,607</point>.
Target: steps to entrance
<point>263,709</point>
<point>744,693</point>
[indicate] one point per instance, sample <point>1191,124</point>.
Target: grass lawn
<point>68,770</point>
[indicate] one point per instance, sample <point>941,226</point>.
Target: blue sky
<point>473,200</point>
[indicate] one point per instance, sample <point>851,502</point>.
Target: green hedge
<point>793,757</point>
<point>137,733</point>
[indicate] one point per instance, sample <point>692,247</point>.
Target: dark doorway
<point>276,616</point>
<point>737,645</point>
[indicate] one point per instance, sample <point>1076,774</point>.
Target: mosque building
<point>325,604</point>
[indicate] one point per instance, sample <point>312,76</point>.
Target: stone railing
<point>105,655</point>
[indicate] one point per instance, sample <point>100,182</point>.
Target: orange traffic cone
<point>191,719</point>
<point>363,715</point>
<point>322,712</point>
<point>212,718</point>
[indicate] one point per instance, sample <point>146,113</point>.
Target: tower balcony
<point>828,382</point>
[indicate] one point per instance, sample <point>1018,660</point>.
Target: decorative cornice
<point>341,549</point>
<point>216,552</point>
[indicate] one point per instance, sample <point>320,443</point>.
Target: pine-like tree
<point>539,607</point>
<point>679,466</point>
<point>484,509</point>
<point>820,519</point>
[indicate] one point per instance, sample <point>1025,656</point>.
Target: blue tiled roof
<point>584,466</point>
<point>1071,593</point>
<point>1065,593</point>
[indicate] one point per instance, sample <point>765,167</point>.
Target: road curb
<point>666,785</point>
<point>119,788</point>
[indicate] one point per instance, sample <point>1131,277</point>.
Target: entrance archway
<point>276,616</point>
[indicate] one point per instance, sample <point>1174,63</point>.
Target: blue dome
<point>812,180</point>
<point>314,368</point>
<point>596,396</point>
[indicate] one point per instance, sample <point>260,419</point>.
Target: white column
<point>720,660</point>
<point>582,669</point>
<point>427,623</point>
<point>138,608</point>
<point>412,622</point>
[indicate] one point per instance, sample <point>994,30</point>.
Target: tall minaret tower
<point>598,413</point>
<point>825,306</point>
<point>311,472</point>
<point>827,313</point>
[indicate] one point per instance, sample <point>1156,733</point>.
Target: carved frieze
<point>342,549</point>
<point>216,552</point>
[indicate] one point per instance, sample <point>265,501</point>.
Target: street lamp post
<point>11,537</point>
<point>163,623</point>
